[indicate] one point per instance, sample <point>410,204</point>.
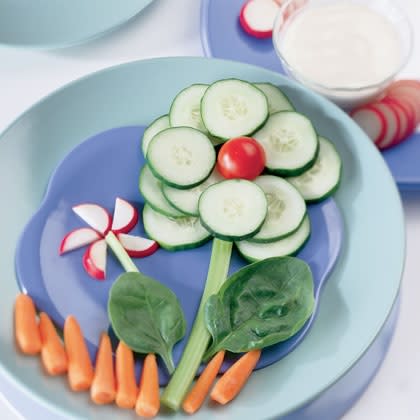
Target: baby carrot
<point>198,393</point>
<point>53,355</point>
<point>148,402</point>
<point>126,378</point>
<point>80,370</point>
<point>27,333</point>
<point>233,380</point>
<point>103,384</point>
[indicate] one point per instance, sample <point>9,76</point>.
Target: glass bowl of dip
<point>347,50</point>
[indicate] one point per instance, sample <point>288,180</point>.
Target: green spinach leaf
<point>146,315</point>
<point>260,305</point>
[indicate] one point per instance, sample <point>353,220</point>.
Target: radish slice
<point>125,217</point>
<point>371,121</point>
<point>406,123</point>
<point>408,93</point>
<point>257,17</point>
<point>94,260</point>
<point>392,123</point>
<point>137,246</point>
<point>78,238</point>
<point>95,216</point>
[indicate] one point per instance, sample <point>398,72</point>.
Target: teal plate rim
<point>60,34</point>
<point>367,276</point>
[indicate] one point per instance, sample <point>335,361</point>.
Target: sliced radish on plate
<point>137,246</point>
<point>392,124</point>
<point>406,118</point>
<point>257,17</point>
<point>371,121</point>
<point>94,260</point>
<point>125,217</point>
<point>95,216</point>
<point>78,238</point>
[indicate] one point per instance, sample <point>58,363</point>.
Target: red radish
<point>392,123</point>
<point>78,238</point>
<point>406,117</point>
<point>94,260</point>
<point>257,17</point>
<point>408,90</point>
<point>137,246</point>
<point>125,217</point>
<point>95,216</point>
<point>371,121</point>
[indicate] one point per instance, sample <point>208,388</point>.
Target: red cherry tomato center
<point>241,157</point>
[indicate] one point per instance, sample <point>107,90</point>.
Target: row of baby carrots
<point>108,385</point>
<point>72,357</point>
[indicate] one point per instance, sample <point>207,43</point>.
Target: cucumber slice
<point>151,190</point>
<point>158,125</point>
<point>323,179</point>
<point>174,234</point>
<point>186,108</point>
<point>233,108</point>
<point>290,143</point>
<point>181,157</point>
<point>186,201</point>
<point>234,209</point>
<point>287,246</point>
<point>286,209</point>
<point>277,100</point>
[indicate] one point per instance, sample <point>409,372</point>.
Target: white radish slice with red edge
<point>257,17</point>
<point>125,216</point>
<point>392,124</point>
<point>95,216</point>
<point>408,90</point>
<point>136,246</point>
<point>78,238</point>
<point>405,123</point>
<point>371,121</point>
<point>94,260</point>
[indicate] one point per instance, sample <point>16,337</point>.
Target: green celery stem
<point>186,370</point>
<point>120,252</point>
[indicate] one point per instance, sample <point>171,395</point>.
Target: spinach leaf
<point>260,305</point>
<point>146,315</point>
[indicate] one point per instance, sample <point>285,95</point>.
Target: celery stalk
<point>120,252</point>
<point>184,374</point>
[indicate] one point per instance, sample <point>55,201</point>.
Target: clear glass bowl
<point>345,97</point>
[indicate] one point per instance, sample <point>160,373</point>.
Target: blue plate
<point>232,43</point>
<point>354,304</point>
<point>99,170</point>
<point>62,23</point>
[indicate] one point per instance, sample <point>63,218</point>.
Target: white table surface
<point>165,30</point>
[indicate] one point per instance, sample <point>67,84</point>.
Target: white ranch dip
<point>344,44</point>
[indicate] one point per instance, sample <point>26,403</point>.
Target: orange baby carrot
<point>80,370</point>
<point>27,333</point>
<point>126,378</point>
<point>198,393</point>
<point>148,402</point>
<point>53,355</point>
<point>233,380</point>
<point>103,384</point>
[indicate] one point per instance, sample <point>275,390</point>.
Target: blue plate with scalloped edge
<point>100,169</point>
<point>223,37</point>
<point>354,304</point>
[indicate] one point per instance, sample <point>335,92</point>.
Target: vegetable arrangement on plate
<point>232,161</point>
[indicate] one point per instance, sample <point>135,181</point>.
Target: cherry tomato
<point>241,157</point>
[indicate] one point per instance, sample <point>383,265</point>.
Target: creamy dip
<point>343,44</point>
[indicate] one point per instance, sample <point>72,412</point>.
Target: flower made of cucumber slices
<point>100,223</point>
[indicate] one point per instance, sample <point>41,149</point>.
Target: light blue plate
<point>356,300</point>
<point>232,43</point>
<point>62,23</point>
